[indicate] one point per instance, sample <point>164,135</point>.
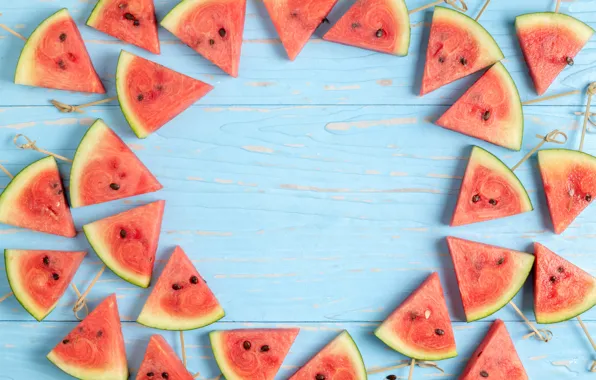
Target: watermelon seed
<point>492,202</point>
<point>61,64</point>
<point>194,280</point>
<point>320,376</point>
<point>439,332</point>
<point>476,198</point>
<point>63,37</point>
<point>501,261</point>
<point>294,14</point>
<point>480,353</point>
<point>211,42</point>
<point>441,59</point>
<point>123,233</point>
<point>588,197</point>
<point>140,97</point>
<point>65,341</point>
<point>325,21</point>
<point>463,61</point>
<point>136,23</point>
<point>561,269</point>
<point>122,5</point>
<point>99,334</point>
<point>553,279</point>
<point>165,375</point>
<point>391,377</point>
<point>246,345</point>
<point>355,25</point>
<point>427,314</point>
<point>380,33</point>
<point>222,32</point>
<point>46,260</point>
<point>570,61</point>
<point>114,186</point>
<point>264,348</point>
<point>176,287</point>
<point>486,115</point>
<point>150,374</point>
<point>413,315</point>
<point>56,276</point>
<point>483,373</point>
<point>129,16</point>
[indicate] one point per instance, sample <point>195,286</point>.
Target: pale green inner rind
<point>536,20</point>
<point>349,347</point>
<point>97,11</point>
<point>217,344</point>
<point>564,315</point>
<point>87,373</point>
<point>516,116</point>
<point>175,16</point>
<point>402,16</point>
<point>121,90</point>
<point>386,334</point>
<point>559,159</point>
<point>160,319</point>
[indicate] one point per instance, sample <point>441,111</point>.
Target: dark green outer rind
<point>139,132</point>
<point>521,107</point>
<point>74,159</point>
<point>559,14</point>
<point>15,295</point>
<point>92,13</point>
<point>80,378</point>
<point>223,314</point>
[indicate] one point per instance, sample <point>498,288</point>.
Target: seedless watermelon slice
<point>488,276</point>
<point>181,299</point>
<point>255,354</point>
<point>489,190</point>
<point>95,348</point>
<point>420,327</point>
<point>55,56</point>
<point>550,42</point>
<point>490,110</point>
<point>213,28</point>
<point>127,242</point>
<point>340,359</point>
<point>39,279</point>
<point>458,46</point>
<point>35,199</point>
<point>561,290</point>
<point>379,25</point>
<point>161,359</point>
<point>131,21</point>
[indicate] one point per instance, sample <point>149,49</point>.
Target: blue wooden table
<point>313,193</point>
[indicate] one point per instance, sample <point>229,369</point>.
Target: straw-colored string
<point>31,145</point>
<point>183,347</point>
<point>80,304</point>
<point>76,290</point>
<point>412,365</point>
<point>14,33</point>
<point>531,325</point>
<point>402,364</point>
<point>66,108</point>
<point>550,97</point>
<point>453,3</point>
<point>551,137</point>
<point>6,171</point>
<point>581,323</point>
<point>558,6</point>
<point>196,375</point>
<point>482,10</point>
<point>5,297</point>
<point>591,91</point>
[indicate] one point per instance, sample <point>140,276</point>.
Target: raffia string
<point>31,145</point>
<point>412,365</point>
<point>14,33</point>
<point>550,97</point>
<point>482,10</point>
<point>404,363</point>
<point>531,326</point>
<point>6,171</point>
<point>591,91</point>
<point>85,306</point>
<point>80,304</point>
<point>183,347</point>
<point>581,323</point>
<point>5,297</point>
<point>551,137</point>
<point>453,3</point>
<point>66,108</point>
<point>558,6</point>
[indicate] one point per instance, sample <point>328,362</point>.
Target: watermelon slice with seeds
<point>35,199</point>
<point>458,46</point>
<point>251,353</point>
<point>131,21</point>
<point>38,279</point>
<point>490,110</point>
<point>379,25</point>
<point>127,242</point>
<point>561,290</point>
<point>55,56</point>
<point>181,299</point>
<point>161,362</point>
<point>95,348</point>
<point>489,190</point>
<point>420,328</point>
<point>550,41</point>
<point>105,169</point>
<point>488,276</point>
<point>213,28</point>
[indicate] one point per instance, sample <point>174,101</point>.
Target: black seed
<point>59,192</point>
<point>222,32</point>
<point>114,186</point>
<point>501,261</point>
<point>56,276</point>
<point>159,87</point>
<point>441,60</point>
<point>136,23</point>
<point>150,374</point>
<point>63,37</point>
<point>264,348</point>
<point>65,341</point>
<point>176,287</point>
<point>211,42</point>
<point>560,269</point>
<point>391,377</point>
<point>325,21</point>
<point>413,316</point>
<point>553,279</point>
<point>294,14</point>
<point>140,97</point>
<point>62,65</point>
<point>492,202</point>
<point>320,376</point>
<point>246,345</point>
<point>54,185</point>
<point>483,373</point>
<point>570,61</point>
<point>463,61</point>
<point>194,280</point>
<point>99,334</point>
<point>122,5</point>
<point>355,25</point>
<point>588,197</point>
<point>480,353</point>
<point>46,260</point>
<point>439,332</point>
<point>123,233</point>
<point>165,375</point>
<point>486,115</point>
<point>129,16</point>
<point>476,198</point>
<point>380,33</point>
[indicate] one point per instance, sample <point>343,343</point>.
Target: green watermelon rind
<point>385,334</point>
<point>579,28</point>
<point>562,316</point>
<point>82,374</point>
<point>95,13</point>
<point>136,125</point>
<point>147,318</point>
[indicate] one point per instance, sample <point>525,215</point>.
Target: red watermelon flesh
<point>550,42</point>
<point>297,20</point>
<point>379,25</point>
<point>55,56</point>
<point>420,327</point>
<point>213,28</point>
<point>131,21</point>
<point>151,95</point>
<point>161,359</point>
<point>240,354</point>
<point>181,299</point>
<point>561,290</point>
<point>495,358</point>
<point>34,199</point>
<point>95,348</point>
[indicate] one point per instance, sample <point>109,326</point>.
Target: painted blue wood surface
<point>313,193</point>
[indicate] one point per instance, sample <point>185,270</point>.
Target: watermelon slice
<point>550,41</point>
<point>34,199</point>
<point>489,191</point>
<point>251,353</point>
<point>420,327</point>
<point>561,290</point>
<point>161,362</point>
<point>490,110</point>
<point>127,242</point>
<point>379,25</point>
<point>569,178</point>
<point>55,56</point>
<point>181,299</point>
<point>105,169</point>
<point>151,95</point>
<point>495,358</point>
<point>340,359</point>
<point>95,348</point>
<point>488,277</point>
<point>458,46</point>
<point>131,21</point>
<point>213,28</point>
<point>38,279</point>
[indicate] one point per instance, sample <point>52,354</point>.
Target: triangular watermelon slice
<point>38,279</point>
<point>55,56</point>
<point>340,359</point>
<point>151,95</point>
<point>495,358</point>
<point>550,41</point>
<point>420,328</point>
<point>297,20</point>
<point>35,199</point>
<point>131,21</point>
<point>569,178</point>
<point>490,110</point>
<point>379,25</point>
<point>488,276</point>
<point>95,348</point>
<point>251,353</point>
<point>561,290</point>
<point>127,242</point>
<point>161,362</point>
<point>105,169</point>
<point>181,299</point>
<point>213,28</point>
<point>458,46</point>
<point>489,190</point>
